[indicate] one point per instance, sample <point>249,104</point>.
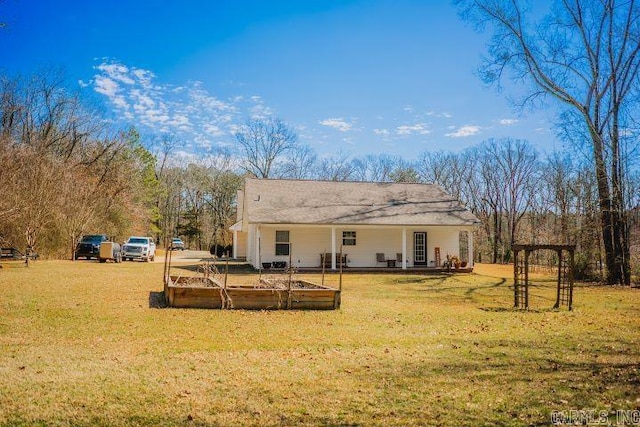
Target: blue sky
<point>354,77</point>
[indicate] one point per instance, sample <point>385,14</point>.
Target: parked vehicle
<point>221,251</point>
<point>89,246</point>
<point>142,248</point>
<point>110,251</point>
<point>177,243</point>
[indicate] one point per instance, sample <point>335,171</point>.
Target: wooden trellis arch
<point>564,295</point>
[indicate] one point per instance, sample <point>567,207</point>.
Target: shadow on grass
<point>432,280</point>
<point>520,310</point>
<point>498,309</point>
<point>468,291</point>
<point>157,300</point>
<point>539,293</point>
<point>557,374</point>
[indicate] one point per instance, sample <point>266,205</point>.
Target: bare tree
<point>492,195</point>
<point>300,164</point>
<point>36,196</point>
<point>339,167</point>
<point>61,171</point>
<point>516,162</point>
<point>172,200</point>
<point>448,170</point>
<point>375,168</point>
<point>222,187</point>
<point>586,55</point>
<point>265,142</point>
<point>558,176</point>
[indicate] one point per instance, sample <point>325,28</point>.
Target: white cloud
<point>106,86</point>
<point>464,131</point>
<point>189,112</point>
<point>155,116</point>
<point>383,132</point>
<point>143,76</point>
<point>417,129</point>
<point>212,130</point>
<point>508,122</point>
<point>203,142</point>
<point>121,103</point>
<point>439,115</point>
<point>337,123</point>
<point>259,110</point>
<point>116,72</point>
<point>234,128</point>
<point>180,121</point>
<point>201,98</point>
<point>225,118</point>
<point>627,132</point>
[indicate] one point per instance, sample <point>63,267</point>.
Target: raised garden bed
<point>196,292</point>
<point>267,294</point>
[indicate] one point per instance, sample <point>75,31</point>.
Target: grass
<point>80,345</point>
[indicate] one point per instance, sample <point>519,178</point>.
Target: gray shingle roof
<point>273,201</point>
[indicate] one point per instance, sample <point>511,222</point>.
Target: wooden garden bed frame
<point>207,292</point>
<point>181,294</point>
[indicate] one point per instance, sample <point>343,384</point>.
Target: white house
<point>372,224</point>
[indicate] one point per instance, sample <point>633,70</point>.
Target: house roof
<point>274,201</point>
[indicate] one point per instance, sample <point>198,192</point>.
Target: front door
<point>420,248</point>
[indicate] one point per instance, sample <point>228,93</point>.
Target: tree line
<point>585,58</point>
<point>519,194</point>
<point>65,172</point>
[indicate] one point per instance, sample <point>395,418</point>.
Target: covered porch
<point>389,270</point>
<point>364,248</point>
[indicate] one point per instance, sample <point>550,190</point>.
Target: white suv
<point>142,248</point>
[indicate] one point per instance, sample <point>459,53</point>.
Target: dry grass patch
<point>80,345</point>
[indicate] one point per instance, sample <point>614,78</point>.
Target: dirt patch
<point>284,284</point>
<point>270,283</point>
<point>195,282</point>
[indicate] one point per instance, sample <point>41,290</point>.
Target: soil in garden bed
<point>271,283</point>
<point>284,284</point>
<point>194,282</point>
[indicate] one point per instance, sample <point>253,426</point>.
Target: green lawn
<point>80,345</point>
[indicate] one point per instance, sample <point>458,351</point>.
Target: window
<point>348,238</point>
<point>282,242</point>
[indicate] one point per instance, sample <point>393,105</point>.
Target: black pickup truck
<point>89,246</point>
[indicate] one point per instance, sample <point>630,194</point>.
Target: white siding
<point>370,241</point>
<point>251,246</point>
<point>241,248</point>
<point>307,243</point>
<point>445,238</point>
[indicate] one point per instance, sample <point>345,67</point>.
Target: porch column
<point>404,248</point>
<point>235,244</point>
<point>470,234</point>
<point>333,248</point>
<point>258,261</point>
